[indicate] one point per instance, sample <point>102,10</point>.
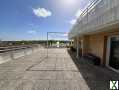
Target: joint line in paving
<point>28,69</point>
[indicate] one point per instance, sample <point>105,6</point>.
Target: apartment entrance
<point>113,60</point>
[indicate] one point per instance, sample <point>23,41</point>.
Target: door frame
<point>108,52</point>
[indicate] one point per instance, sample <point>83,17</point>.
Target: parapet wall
<point>15,54</point>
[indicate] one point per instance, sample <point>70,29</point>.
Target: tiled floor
<point>57,72</point>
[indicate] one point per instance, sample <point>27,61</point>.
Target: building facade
<point>97,32</point>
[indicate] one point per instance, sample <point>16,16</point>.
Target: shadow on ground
<point>96,77</point>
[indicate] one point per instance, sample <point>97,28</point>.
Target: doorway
<point>113,53</point>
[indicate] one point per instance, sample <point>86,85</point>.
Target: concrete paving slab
<point>41,85</point>
<point>57,72</point>
<point>57,85</point>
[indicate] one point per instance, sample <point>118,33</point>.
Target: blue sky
<point>32,19</point>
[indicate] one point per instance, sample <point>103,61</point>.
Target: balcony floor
<point>60,71</point>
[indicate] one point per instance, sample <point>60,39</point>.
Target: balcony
<point>98,15</point>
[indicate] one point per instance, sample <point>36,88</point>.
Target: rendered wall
<point>103,14</point>
<point>96,45</point>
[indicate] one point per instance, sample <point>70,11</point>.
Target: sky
<point>32,19</point>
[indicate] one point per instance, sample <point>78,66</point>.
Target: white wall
<point>12,55</point>
<point>103,14</point>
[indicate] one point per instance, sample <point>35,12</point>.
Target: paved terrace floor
<point>59,71</point>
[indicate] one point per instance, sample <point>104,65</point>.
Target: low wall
<point>12,55</point>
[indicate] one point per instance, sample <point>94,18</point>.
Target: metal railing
<point>86,11</point>
<point>98,13</point>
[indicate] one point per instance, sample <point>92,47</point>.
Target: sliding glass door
<point>114,53</point>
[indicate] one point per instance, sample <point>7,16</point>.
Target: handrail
<point>97,15</point>
<point>89,8</point>
<point>14,49</point>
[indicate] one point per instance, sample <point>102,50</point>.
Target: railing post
<point>47,44</point>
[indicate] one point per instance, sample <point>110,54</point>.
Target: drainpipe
<point>77,48</point>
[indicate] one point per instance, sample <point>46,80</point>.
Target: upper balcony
<point>98,15</point>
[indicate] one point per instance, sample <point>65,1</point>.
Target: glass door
<point>114,53</point>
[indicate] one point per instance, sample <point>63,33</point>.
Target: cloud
<point>31,32</point>
<point>42,12</point>
<point>65,35</point>
<point>73,21</point>
<point>77,15</point>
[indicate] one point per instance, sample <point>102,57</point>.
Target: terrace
<point>59,71</point>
